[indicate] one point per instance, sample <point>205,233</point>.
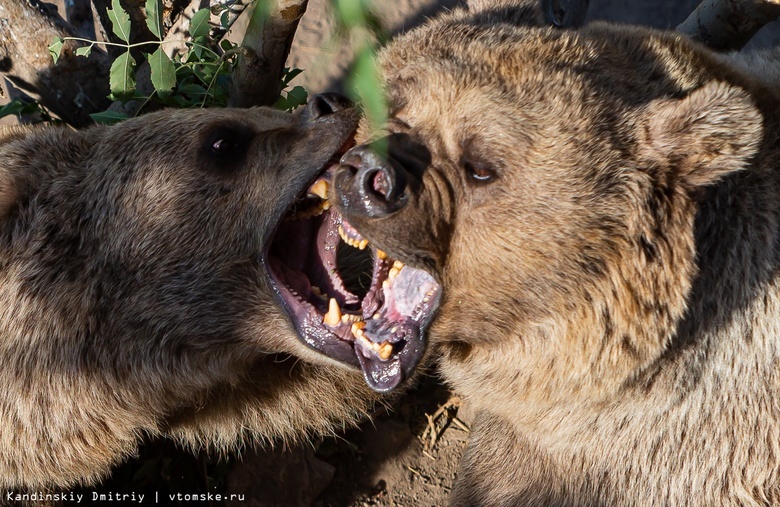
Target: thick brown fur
<point>133,299</point>
<point>611,295</point>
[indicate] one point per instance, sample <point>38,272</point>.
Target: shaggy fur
<point>611,293</point>
<point>133,300</point>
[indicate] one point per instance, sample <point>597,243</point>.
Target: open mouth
<point>347,298</point>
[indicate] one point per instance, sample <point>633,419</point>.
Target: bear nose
<point>327,103</point>
<point>375,180</point>
<point>377,185</point>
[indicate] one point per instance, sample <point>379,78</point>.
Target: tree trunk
<point>73,88</point>
<point>257,79</point>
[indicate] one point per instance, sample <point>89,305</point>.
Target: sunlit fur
<point>611,300</point>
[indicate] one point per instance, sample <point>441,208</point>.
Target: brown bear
<point>136,288</point>
<point>598,215</point>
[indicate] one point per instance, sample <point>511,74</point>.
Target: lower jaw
<point>383,332</point>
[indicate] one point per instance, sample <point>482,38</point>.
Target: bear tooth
<point>326,206</point>
<point>393,273</point>
<point>386,283</point>
<point>381,254</point>
<point>316,290</point>
<point>398,265</point>
<point>357,327</point>
<point>385,350</point>
<point>343,234</point>
<point>375,316</point>
<point>320,189</point>
<point>363,244</point>
<point>333,317</point>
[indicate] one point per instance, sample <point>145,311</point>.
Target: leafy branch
<point>200,77</point>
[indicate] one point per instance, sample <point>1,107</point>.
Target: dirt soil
<point>408,454</point>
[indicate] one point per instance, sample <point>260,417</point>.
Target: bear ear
<point>557,13</point>
<point>710,133</point>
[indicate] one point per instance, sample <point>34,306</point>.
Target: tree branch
<point>258,73</point>
<point>727,25</point>
<point>73,88</point>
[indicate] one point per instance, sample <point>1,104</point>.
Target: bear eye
<point>224,146</point>
<point>479,171</point>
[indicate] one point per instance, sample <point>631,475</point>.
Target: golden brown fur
<point>133,300</point>
<point>611,296</point>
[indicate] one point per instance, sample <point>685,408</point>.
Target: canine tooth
<point>393,273</point>
<point>381,254</point>
<point>333,317</point>
<point>385,350</point>
<point>343,234</point>
<point>363,244</point>
<point>320,189</point>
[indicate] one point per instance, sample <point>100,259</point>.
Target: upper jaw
<point>381,331</point>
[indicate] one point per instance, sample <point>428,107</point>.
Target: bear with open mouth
<point>589,220</point>
<point>136,288</point>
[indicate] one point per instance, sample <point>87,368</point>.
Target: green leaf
<point>298,95</point>
<point>368,87</point>
<point>227,45</point>
<point>14,107</point>
<point>290,74</point>
<point>351,12</point>
<point>154,17</point>
<point>199,24</point>
<point>55,48</point>
<point>84,51</point>
<point>122,76</point>
<point>163,72</point>
<point>295,97</point>
<point>120,21</point>
<point>192,89</point>
<point>108,117</point>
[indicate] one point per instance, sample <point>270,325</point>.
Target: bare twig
<point>434,430</point>
<point>728,25</point>
<point>258,73</point>
<point>71,89</point>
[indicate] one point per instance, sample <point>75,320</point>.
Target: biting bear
<point>138,294</point>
